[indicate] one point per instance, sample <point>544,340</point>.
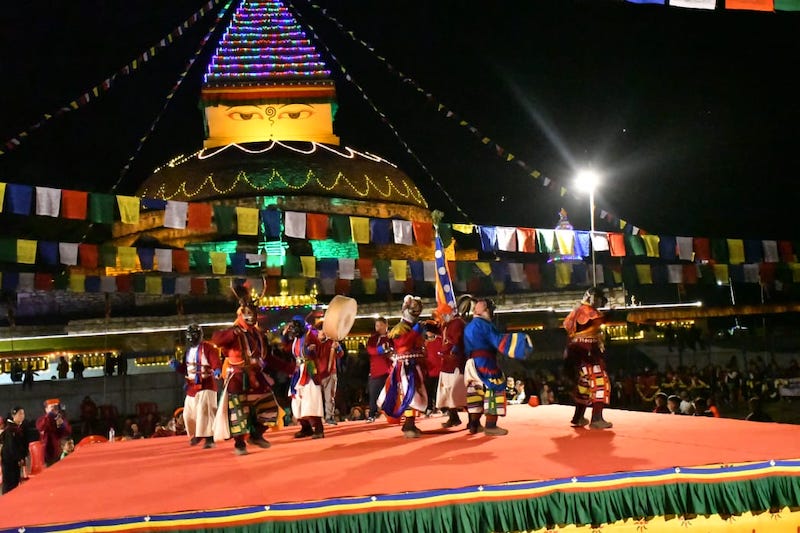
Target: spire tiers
<point>264,45</point>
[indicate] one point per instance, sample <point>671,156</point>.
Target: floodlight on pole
<point>587,180</point>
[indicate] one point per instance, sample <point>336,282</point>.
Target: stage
<point>649,471</point>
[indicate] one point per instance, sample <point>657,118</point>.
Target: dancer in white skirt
<point>201,367</point>
<point>452,391</point>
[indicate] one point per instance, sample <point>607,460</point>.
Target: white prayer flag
<point>68,252</point>
<point>48,201</point>
<point>175,214</point>
<point>295,224</point>
<point>403,232</point>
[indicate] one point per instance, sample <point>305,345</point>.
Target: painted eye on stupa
<point>239,115</point>
<point>295,112</point>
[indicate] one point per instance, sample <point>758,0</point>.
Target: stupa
<point>269,104</point>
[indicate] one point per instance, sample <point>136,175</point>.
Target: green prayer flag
<point>382,267</point>
<point>139,283</point>
<point>340,228</point>
<point>223,217</point>
<point>292,267</point>
<point>199,259</point>
<point>101,208</point>
<point>108,256</point>
<point>445,233</point>
<point>719,251</point>
<point>213,286</point>
<point>634,245</point>
<point>8,250</point>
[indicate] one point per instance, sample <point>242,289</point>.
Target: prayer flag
<point>48,201</point>
<point>128,209</point>
<point>247,220</point>
<point>445,293</point>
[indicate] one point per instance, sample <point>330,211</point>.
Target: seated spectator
<point>520,395</point>
<point>757,413</point>
<point>687,408</point>
<point>661,403</point>
<point>700,407</point>
<point>133,432</point>
<point>67,446</point>
<point>674,404</point>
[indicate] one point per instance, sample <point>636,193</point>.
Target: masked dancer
<point>201,367</point>
<point>584,359</point>
<point>404,392</point>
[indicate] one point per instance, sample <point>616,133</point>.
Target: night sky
<point>691,116</point>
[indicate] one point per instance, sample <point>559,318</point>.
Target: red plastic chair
<point>91,439</point>
<point>36,450</point>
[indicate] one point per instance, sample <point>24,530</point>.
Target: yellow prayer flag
<point>735,251</point>
<point>370,285</point>
<point>651,245</point>
<point>645,274</point>
<point>309,263</point>
<point>359,229</point>
<point>795,272</point>
<point>26,252</point>
<point>152,285</point>
<point>247,220</point>
<point>77,283</point>
<point>464,228</point>
<point>566,241</point>
<point>484,267</point>
<point>127,257</point>
<point>2,195</point>
<point>128,209</point>
<point>563,274</point>
<point>219,262</point>
<point>721,273</point>
<point>617,276</point>
<point>399,269</point>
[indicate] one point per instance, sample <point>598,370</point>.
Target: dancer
<point>452,391</point>
<point>201,368</point>
<point>486,384</point>
<point>404,392</point>
<point>307,407</point>
<point>247,402</point>
<point>584,359</point>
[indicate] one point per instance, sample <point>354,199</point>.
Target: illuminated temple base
<point>543,476</point>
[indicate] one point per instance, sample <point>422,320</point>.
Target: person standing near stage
<point>451,393</point>
<point>379,364</point>
<point>330,352</point>
<point>486,384</point>
<point>404,392</point>
<point>201,368</point>
<point>52,426</point>
<point>13,449</point>
<point>585,362</point>
<point>248,386</point>
<point>307,406</point>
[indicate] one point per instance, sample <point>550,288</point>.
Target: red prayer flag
<point>180,261</point>
<point>199,216</point>
<point>87,254</point>
<point>616,243</point>
<point>342,286</point>
<point>423,233</point>
<point>316,226</point>
<point>786,252</point>
<point>767,272</point>
<point>526,240</point>
<point>702,249</point>
<point>43,281</point>
<point>197,286</point>
<point>124,283</point>
<point>365,268</point>
<point>690,274</point>
<point>533,275</point>
<point>74,204</point>
<point>750,5</point>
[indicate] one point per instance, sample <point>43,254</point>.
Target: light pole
<point>586,180</point>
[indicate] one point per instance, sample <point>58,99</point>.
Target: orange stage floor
<point>114,485</point>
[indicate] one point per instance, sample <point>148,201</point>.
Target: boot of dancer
<point>453,419</point>
<point>597,418</point>
<point>410,430</point>
<point>305,430</point>
<point>258,439</point>
<point>319,431</point>
<point>239,445</point>
<point>578,420</point>
<point>209,443</point>
<point>492,428</point>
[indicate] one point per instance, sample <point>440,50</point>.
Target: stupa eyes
<point>295,114</point>
<point>240,115</point>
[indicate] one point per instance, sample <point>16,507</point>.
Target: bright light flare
<point>587,180</point>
